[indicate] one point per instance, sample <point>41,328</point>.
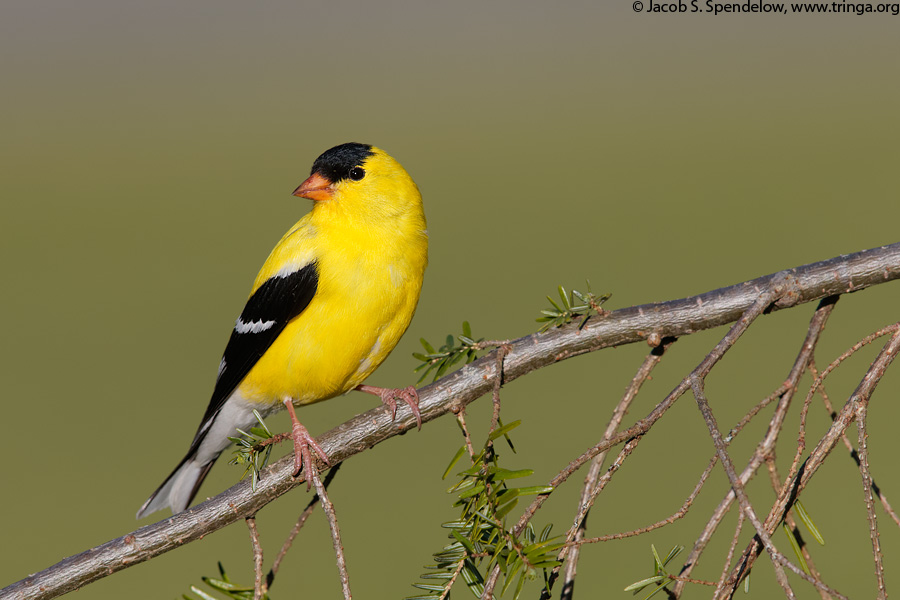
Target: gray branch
<point>649,322</point>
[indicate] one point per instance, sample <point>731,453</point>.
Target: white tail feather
<point>177,491</point>
<point>181,486</point>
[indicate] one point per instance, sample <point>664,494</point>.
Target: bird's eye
<point>357,173</point>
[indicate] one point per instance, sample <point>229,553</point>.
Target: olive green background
<point>148,155</point>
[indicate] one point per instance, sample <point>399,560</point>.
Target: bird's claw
<point>408,395</point>
<point>303,458</point>
<point>303,441</point>
<point>389,396</point>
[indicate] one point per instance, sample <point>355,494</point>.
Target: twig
<point>301,520</point>
<point>861,413</point>
<point>644,425</point>
<point>767,445</point>
<point>801,436</point>
<point>720,585</point>
<point>689,580</point>
<point>826,402</point>
<point>779,561</point>
<point>676,318</point>
<point>738,487</point>
<point>490,583</point>
<point>818,455</point>
<point>445,595</point>
<point>502,351</point>
<point>461,419</point>
<point>751,414</point>
<point>258,586</point>
<point>782,286</point>
<point>328,508</point>
<point>791,523</point>
<point>679,514</point>
<point>696,379</point>
<point>571,553</point>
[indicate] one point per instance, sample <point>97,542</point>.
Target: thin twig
<point>571,553</point>
<point>826,444</point>
<point>751,414</point>
<point>445,595</point>
<point>785,393</point>
<point>783,286</point>
<point>328,508</point>
<point>689,580</point>
<point>258,586</point>
<point>861,413</point>
<point>301,520</point>
<point>679,514</point>
<point>644,425</point>
<point>778,560</point>
<point>696,379</point>
<point>876,489</point>
<point>502,351</point>
<point>720,585</point>
<point>801,438</point>
<point>775,482</point>
<point>461,419</point>
<point>490,583</point>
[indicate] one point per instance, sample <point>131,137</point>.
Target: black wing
<point>266,314</point>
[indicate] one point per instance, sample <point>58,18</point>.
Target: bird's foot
<point>303,458</point>
<point>389,399</point>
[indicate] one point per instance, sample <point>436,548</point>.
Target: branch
<point>651,322</point>
<point>766,447</point>
<point>591,489</point>
<point>827,442</point>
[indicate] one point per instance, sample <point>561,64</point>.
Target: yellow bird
<point>328,306</point>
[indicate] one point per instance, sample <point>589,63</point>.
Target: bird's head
<point>360,180</point>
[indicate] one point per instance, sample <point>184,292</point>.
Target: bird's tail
<point>181,486</point>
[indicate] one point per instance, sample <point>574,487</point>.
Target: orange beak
<point>316,188</point>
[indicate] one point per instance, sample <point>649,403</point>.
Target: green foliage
<point>801,512</point>
<point>223,585</point>
<point>480,538</point>
<point>567,310</point>
<point>795,544</point>
<point>250,451</point>
<point>660,577</point>
<point>440,361</point>
<point>804,517</point>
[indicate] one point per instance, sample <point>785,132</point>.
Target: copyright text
<point>760,6</point>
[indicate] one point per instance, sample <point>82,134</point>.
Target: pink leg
<point>303,459</point>
<point>388,398</point>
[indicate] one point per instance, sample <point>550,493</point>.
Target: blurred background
<point>149,151</point>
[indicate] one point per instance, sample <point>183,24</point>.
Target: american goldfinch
<point>328,306</point>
